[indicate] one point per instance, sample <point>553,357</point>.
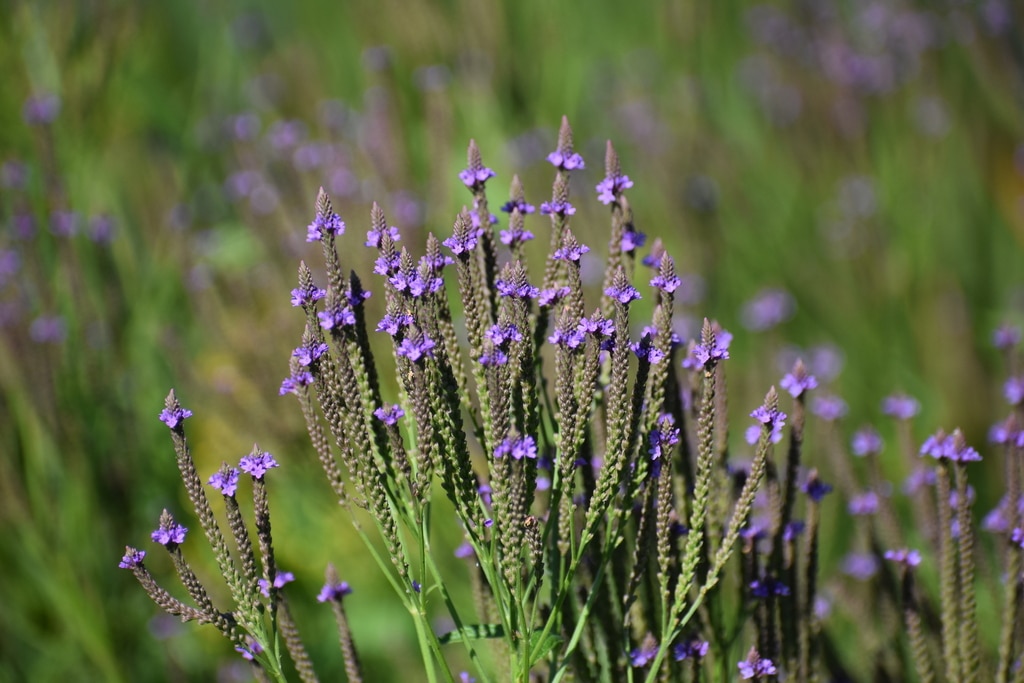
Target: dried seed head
<point>377,221</point>
<point>565,137</point>
<point>611,161</point>
<point>323,204</point>
<point>473,158</point>
<point>516,192</point>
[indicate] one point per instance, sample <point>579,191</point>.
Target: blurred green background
<point>864,157</point>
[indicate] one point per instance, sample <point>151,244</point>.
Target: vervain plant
<point>608,534</point>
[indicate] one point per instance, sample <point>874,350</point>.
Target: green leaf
<point>473,632</point>
<point>543,648</point>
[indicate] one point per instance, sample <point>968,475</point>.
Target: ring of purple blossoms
<point>173,417</point>
<point>566,161</point>
<point>133,557</point>
<point>308,354</point>
<point>797,385</point>
<point>611,188</point>
<point>951,447</point>
<point>691,648</point>
<point>280,580</point>
<point>772,418</point>
<point>754,667</point>
<point>624,293</point>
<point>307,296</point>
<point>903,556</point>
<point>336,318</point>
<point>666,284</point>
<point>226,483</point>
<point>515,236</point>
<point>706,356</point>
<point>374,236</point>
<point>570,253</point>
<point>169,534</point>
<point>389,415</point>
<point>866,441</point>
<point>290,385</point>
<point>257,464</point>
<point>473,178</point>
<point>815,488</point>
<point>465,243</point>
<point>415,349</point>
<point>558,208</point>
<point>632,240</point>
<point>334,591</point>
<point>548,297</point>
<point>522,205</point>
<point>331,225</point>
<point>663,437</point>
<point>518,448</point>
<point>393,323</point>
<point>520,291</point>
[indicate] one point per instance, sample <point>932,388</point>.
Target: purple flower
<point>558,208</point>
<point>859,566</point>
<point>290,385</point>
<point>645,349</point>
<point>631,240</point>
<point>500,335</point>
<point>132,558</point>
<point>472,178</point>
<point>336,318</point>
<point>754,667</point>
<point>373,236</point>
<point>493,358</point>
<point>464,550</point>
<point>47,329</point>
<point>863,504</point>
<point>415,349</point>
<point>828,407</point>
<point>64,223</point>
<point>416,585</point>
<point>331,225</point>
<point>334,592</point>
<point>465,243</point>
<point>903,556</point>
<point>394,323</point>
<point>474,219</point>
<point>816,489</point>
<point>706,356</point>
<point>518,448</point>
<point>515,235</point>
<point>306,296</point>
<point>1014,390</point>
<point>609,189</point>
<point>572,339</point>
<point>624,293</point>
<point>669,284</point>
<point>773,418</point>
<point>280,579</point>
<point>226,483</point>
<point>464,677</point>
<point>249,653</point>
<point>900,406</point>
<point>920,477</point>
<point>565,161</point>
<point>797,385</point>
<point>952,447</point>
<point>792,530</point>
<point>597,325</point>
<point>169,533</point>
<point>308,354</point>
<point>389,415</point>
<point>1006,337</point>
<point>521,291</point>
<point>768,587</point>
<point>436,263</point>
<point>173,417</point>
<point>1004,432</point>
<point>663,437</point>
<point>691,648</point>
<point>257,464</point>
<point>1017,537</point>
<point>642,656</point>
<point>513,204</point>
<point>387,265</point>
<point>866,441</point>
<point>547,297</point>
<point>767,309</point>
<point>573,252</point>
<point>41,109</point>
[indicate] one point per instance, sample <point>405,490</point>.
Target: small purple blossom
<point>792,530</point>
<point>522,291</point>
<point>394,323</point>
<point>1013,390</point>
<point>570,253</point>
<point>645,349</point>
<point>415,349</point>
<point>321,225</point>
<point>669,284</point>
<point>334,591</point>
<point>863,504</point>
<point>663,437</point>
<point>337,317</point>
<point>387,265</point>
<point>572,338</point>
<point>513,204</point>
<point>623,293</point>
<point>41,109</point>
<point>632,240</point>
<point>951,447</point>
<point>768,587</point>
<point>866,441</point>
<point>306,296</point>
<point>767,309</point>
<point>691,648</point>
<point>547,297</point>
<point>642,656</point>
<point>465,550</point>
<point>502,334</point>
<point>308,354</point>
<point>918,479</point>
<point>1006,337</point>
<point>900,406</point>
<point>169,533</point>
<point>173,417</point>
<point>754,667</point>
<point>828,407</point>
<point>474,219</point>
<point>225,482</point>
<point>706,356</point>
<point>465,243</point>
<point>1017,537</point>
<point>493,358</point>
<point>518,448</point>
<point>374,236</point>
<point>773,418</point>
<point>133,557</point>
<point>472,178</point>
<point>257,464</point>
<point>249,653</point>
<point>796,385</point>
<point>565,161</point>
<point>609,189</point>
<point>903,556</point>
<point>280,580</point>
<point>597,325</point>
<point>514,236</point>
<point>390,414</point>
<point>290,385</point>
<point>859,566</point>
<point>559,208</point>
<point>816,489</point>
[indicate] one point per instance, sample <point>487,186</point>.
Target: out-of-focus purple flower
<point>1017,537</point>
<point>336,317</point>
<point>517,447</point>
<point>332,225</point>
<point>547,297</point>
<point>464,677</point>
<point>903,556</point>
<point>101,229</point>
<point>860,566</point>
<point>866,441</point>
<point>565,161</point>
<point>465,550</point>
<point>284,135</point>
<point>632,240</point>
<point>393,323</point>
<point>797,385</point>
<point>570,253</point>
<point>515,236</point>
<point>493,358</point>
<point>280,580</point>
<point>792,530</point>
<point>390,414</point>
<point>169,533</point>
<point>173,417</point>
<point>13,175</point>
<point>900,406</point>
<point>691,648</point>
<point>64,223</point>
<point>828,407</point>
<point>257,464</point>
<point>415,349</point>
<point>24,226</point>
<point>767,309</point>
<point>951,447</point>
<point>522,291</point>
<point>47,329</point>
<point>474,219</point>
<point>768,587</point>
<point>290,385</point>
<point>558,208</point>
<point>624,293</point>
<point>133,557</point>
<point>249,650</point>
<point>245,126</point>
<point>1004,432</point>
<point>1013,390</point>
<point>41,109</point>
<point>612,187</point>
<point>756,668</point>
<point>373,236</point>
<point>475,178</point>
<point>308,354</point>
<point>226,483</point>
<point>334,591</point>
<point>919,478</point>
<point>513,204</point>
<point>815,488</point>
<point>1006,337</point>
<point>863,504</point>
<point>642,656</point>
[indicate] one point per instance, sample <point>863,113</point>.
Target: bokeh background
<point>841,180</point>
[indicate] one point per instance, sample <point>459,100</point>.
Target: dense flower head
<point>169,533</point>
<point>374,235</point>
<point>517,447</point>
<point>393,323</point>
<point>389,414</point>
<point>133,557</point>
<point>173,417</point>
<point>691,648</point>
<point>623,292</point>
<point>330,224</point>
<point>522,290</point>
<point>907,558</point>
<point>515,235</point>
<point>565,160</point>
<point>609,189</point>
<point>632,240</point>
<point>900,406</point>
<point>755,668</point>
<point>280,580</point>
<point>951,447</point>
<point>556,207</point>
<point>863,504</point>
<point>334,591</point>
<point>797,383</point>
<point>473,178</point>
<point>308,354</point>
<point>336,317</point>
<point>570,251</point>
<point>1013,390</point>
<point>416,285</point>
<point>257,464</point>
<point>768,587</point>
<point>767,309</point>
<point>663,437</point>
<point>866,441</point>
<point>828,407</point>
<point>225,480</point>
<point>304,296</point>
<point>416,348</point>
<point>1006,337</point>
